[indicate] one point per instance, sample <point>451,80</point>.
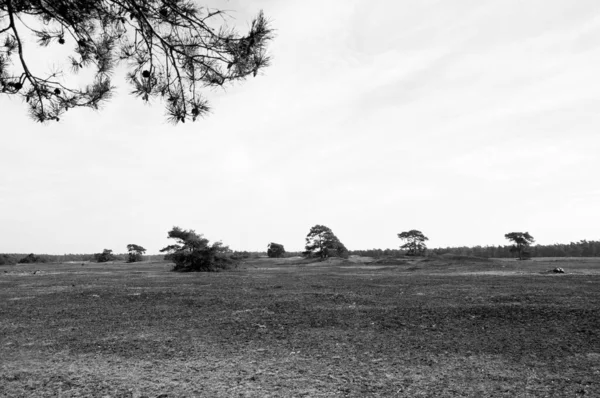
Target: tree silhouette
<point>192,252</point>
<point>415,242</point>
<point>104,257</point>
<point>275,250</point>
<point>136,253</point>
<point>521,241</point>
<point>173,49</point>
<point>322,242</point>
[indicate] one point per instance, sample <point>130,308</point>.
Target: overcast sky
<point>465,119</point>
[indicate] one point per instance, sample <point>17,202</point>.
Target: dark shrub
<point>194,253</point>
<point>136,253</point>
<point>275,250</point>
<point>104,257</point>
<point>32,258</point>
<point>6,259</point>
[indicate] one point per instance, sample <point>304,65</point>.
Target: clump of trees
<point>193,252</point>
<point>414,242</point>
<point>321,242</point>
<point>521,241</point>
<point>171,48</point>
<point>104,257</point>
<point>135,253</point>
<point>32,258</point>
<point>275,250</point>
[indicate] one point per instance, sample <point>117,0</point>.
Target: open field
<point>444,327</point>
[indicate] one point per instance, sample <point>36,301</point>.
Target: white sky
<point>465,119</point>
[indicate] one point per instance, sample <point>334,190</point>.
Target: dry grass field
<point>442,327</point>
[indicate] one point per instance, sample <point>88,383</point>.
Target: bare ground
<point>287,328</point>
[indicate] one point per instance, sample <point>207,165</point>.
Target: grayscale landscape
<point>341,198</point>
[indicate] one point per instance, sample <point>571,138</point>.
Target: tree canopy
<point>275,250</point>
<point>415,242</point>
<point>104,257</point>
<point>521,240</point>
<point>136,253</point>
<point>322,242</point>
<point>193,252</point>
<point>172,48</point>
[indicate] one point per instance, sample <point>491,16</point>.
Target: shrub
<point>240,255</point>
<point>32,258</point>
<point>104,257</point>
<point>6,259</point>
<point>136,253</point>
<point>192,252</point>
<point>275,250</point>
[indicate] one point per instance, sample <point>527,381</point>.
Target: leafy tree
<point>339,251</point>
<point>275,250</point>
<point>521,241</point>
<point>136,253</point>
<point>415,242</point>
<point>192,252</point>
<point>104,257</point>
<point>173,49</point>
<point>323,243</point>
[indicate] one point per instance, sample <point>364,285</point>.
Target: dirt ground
<point>441,327</point>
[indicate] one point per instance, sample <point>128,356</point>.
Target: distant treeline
<point>14,258</point>
<point>584,248</point>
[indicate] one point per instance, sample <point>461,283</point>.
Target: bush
<point>104,257</point>
<point>275,250</point>
<point>208,259</point>
<point>240,255</point>
<point>6,259</point>
<point>32,258</point>
<point>136,253</point>
<point>193,253</point>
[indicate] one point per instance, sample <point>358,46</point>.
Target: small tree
<point>322,242</point>
<point>192,252</point>
<point>104,257</point>
<point>275,250</point>
<point>136,253</point>
<point>521,241</point>
<point>415,242</point>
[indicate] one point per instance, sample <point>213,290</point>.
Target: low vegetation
<point>32,259</point>
<point>7,259</point>
<point>429,326</point>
